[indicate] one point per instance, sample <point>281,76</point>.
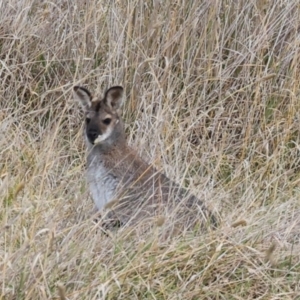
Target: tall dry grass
<point>212,100</point>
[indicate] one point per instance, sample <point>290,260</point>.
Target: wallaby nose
<point>92,134</point>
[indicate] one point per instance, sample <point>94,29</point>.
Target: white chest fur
<point>102,184</point>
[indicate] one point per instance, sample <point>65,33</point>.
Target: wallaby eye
<point>87,120</point>
<point>106,121</point>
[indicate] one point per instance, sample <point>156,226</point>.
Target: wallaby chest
<point>102,182</point>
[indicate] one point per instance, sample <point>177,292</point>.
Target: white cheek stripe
<point>103,137</point>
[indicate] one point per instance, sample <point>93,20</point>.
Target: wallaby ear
<point>114,97</point>
<point>83,96</point>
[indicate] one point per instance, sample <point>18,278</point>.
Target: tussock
<point>212,92</point>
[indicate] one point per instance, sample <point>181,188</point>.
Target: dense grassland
<point>212,100</point>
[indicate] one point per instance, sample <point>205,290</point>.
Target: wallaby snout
<point>92,135</point>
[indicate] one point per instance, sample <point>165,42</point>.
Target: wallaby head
<point>103,124</point>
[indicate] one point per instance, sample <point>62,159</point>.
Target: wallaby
<point>122,182</point>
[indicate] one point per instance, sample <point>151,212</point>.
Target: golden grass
<point>212,100</point>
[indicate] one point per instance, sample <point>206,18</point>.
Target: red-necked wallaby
<point>120,180</point>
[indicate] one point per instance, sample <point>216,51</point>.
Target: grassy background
<point>212,100</point>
